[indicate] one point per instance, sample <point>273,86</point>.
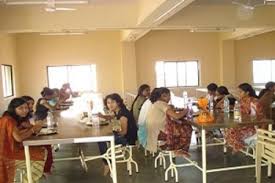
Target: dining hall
<point>137,91</point>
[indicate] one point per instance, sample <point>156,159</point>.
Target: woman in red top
<point>12,154</point>
<point>249,104</point>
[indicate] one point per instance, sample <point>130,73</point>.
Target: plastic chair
<point>265,150</point>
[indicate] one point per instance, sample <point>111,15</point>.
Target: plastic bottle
<point>211,104</point>
<point>50,120</point>
<point>185,98</point>
<point>237,112</point>
<point>226,105</point>
<point>190,109</point>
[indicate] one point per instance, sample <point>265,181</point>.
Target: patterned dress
<point>12,154</point>
<point>235,136</point>
<point>178,135</point>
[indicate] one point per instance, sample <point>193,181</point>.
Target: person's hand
<point>100,115</point>
<point>37,127</point>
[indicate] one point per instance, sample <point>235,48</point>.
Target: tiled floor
<point>71,171</point>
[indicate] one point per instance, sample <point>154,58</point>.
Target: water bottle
<point>185,98</point>
<point>237,112</point>
<point>190,109</point>
<point>50,120</point>
<point>95,120</point>
<point>252,110</point>
<point>226,105</point>
<point>211,104</point>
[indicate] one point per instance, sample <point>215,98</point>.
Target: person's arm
<point>176,115</point>
<point>124,125</point>
<point>106,117</point>
<point>47,105</point>
<point>20,135</point>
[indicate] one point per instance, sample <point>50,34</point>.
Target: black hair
<point>212,87</point>
<point>27,98</point>
<point>248,88</point>
<point>222,90</point>
<point>116,97</point>
<point>14,103</point>
<point>140,90</point>
<point>268,86</point>
<point>157,92</point>
<point>46,92</point>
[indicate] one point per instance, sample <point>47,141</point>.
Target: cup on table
<point>95,120</point>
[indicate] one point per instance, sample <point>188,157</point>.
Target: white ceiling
<point>136,14</point>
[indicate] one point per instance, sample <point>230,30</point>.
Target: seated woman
<point>66,92</point>
<point>12,154</point>
<point>26,124</point>
<point>267,97</point>
<point>142,132</point>
<point>221,93</point>
<point>157,117</point>
<point>143,94</point>
<point>43,105</point>
<point>236,137</point>
<point>128,132</point>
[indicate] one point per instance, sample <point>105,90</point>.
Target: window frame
<point>263,59</point>
<point>67,66</point>
<point>180,61</point>
<point>12,81</point>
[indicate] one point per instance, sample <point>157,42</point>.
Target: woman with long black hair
<point>249,104</point>
<point>160,124</point>
<point>12,154</point>
<point>143,94</point>
<point>127,134</point>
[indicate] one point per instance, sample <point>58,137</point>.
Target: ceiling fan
<point>252,4</point>
<point>51,7</point>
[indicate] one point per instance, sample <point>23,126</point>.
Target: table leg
<point>28,163</point>
<point>269,168</point>
<point>224,146</point>
<point>114,176</point>
<point>203,136</point>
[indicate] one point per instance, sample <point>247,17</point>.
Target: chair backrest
<point>267,140</point>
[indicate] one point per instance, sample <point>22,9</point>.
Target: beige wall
<point>258,47</point>
<point>128,60</point>
<point>227,63</point>
<point>178,45</point>
<point>7,56</point>
<point>35,52</point>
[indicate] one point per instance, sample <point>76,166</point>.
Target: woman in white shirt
<point>156,117</point>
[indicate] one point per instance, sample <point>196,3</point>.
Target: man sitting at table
<point>127,134</point>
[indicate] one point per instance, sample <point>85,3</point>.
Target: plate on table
<point>101,123</point>
<point>45,131</point>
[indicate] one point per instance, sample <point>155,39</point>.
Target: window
<point>80,77</point>
<point>263,71</point>
<point>174,74</point>
<point>7,80</point>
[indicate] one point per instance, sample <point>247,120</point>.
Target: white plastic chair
<point>19,175</point>
<point>265,149</point>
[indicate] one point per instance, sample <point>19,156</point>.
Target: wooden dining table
<point>71,131</point>
<point>225,121</point>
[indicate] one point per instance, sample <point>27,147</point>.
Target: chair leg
<point>82,160</point>
<point>172,167</point>
<point>258,163</point>
<point>156,159</point>
<point>131,160</point>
